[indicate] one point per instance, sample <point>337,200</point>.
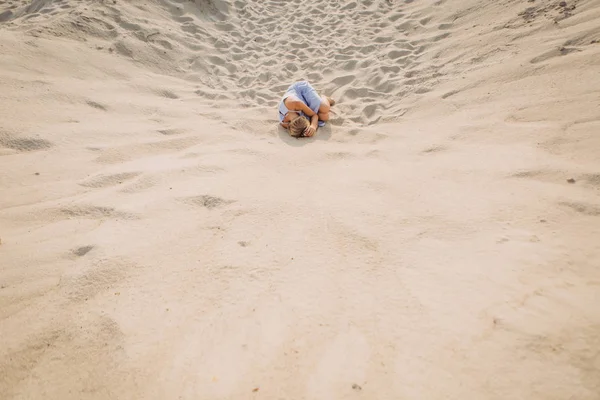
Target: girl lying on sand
<point>300,102</point>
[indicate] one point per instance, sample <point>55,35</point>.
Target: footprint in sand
<point>82,251</point>
<point>582,208</point>
<point>97,105</point>
<point>23,144</point>
<point>207,201</point>
<point>93,212</point>
<point>109,180</point>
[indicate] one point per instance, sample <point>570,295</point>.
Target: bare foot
<point>331,101</point>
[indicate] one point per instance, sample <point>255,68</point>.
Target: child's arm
<point>314,125</point>
<point>298,105</point>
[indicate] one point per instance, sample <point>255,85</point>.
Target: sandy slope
<point>162,238</point>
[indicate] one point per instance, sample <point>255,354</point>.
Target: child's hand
<point>308,132</point>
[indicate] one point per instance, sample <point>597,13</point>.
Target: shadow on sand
<point>323,134</point>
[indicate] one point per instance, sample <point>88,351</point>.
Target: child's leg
<point>310,96</point>
<point>319,104</point>
<point>324,108</point>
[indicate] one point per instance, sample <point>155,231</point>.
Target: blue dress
<point>304,92</point>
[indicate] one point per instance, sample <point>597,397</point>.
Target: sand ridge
<point>162,236</point>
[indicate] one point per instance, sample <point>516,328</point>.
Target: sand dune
<point>163,238</point>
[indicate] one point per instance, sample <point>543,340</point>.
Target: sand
<point>163,238</point>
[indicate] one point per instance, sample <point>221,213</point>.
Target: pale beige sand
<point>163,238</point>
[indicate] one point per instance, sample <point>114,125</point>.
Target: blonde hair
<point>298,126</point>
